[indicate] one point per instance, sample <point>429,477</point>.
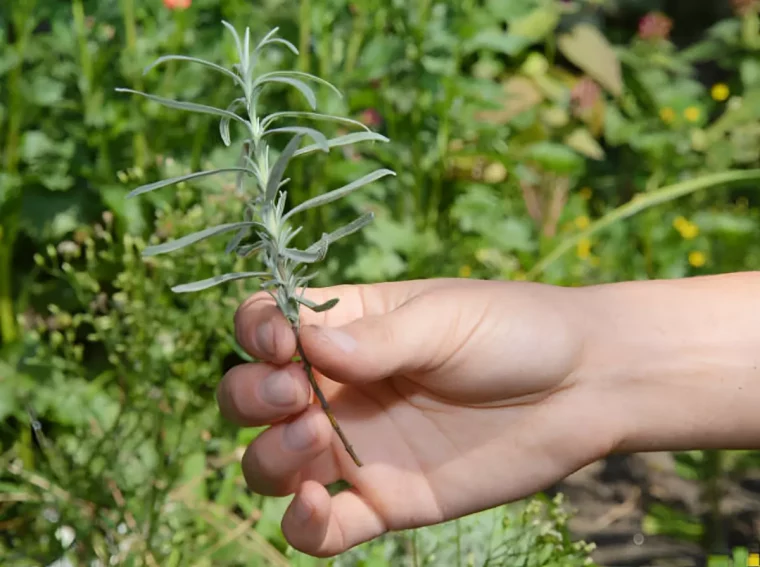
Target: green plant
<point>267,230</point>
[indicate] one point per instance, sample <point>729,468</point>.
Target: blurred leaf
<point>584,143</point>
<point>586,47</point>
<point>498,41</point>
<point>536,25</point>
<point>554,157</point>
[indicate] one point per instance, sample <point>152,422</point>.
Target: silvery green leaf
<point>315,135</point>
<point>216,280</point>
<point>317,308</point>
<point>236,240</point>
<point>247,48</point>
<point>188,177</point>
<point>338,193</point>
<point>313,115</point>
<point>235,35</point>
<point>268,36</point>
<point>350,228</point>
<point>316,253</point>
<point>302,87</point>
<point>307,76</point>
<point>194,237</point>
<point>189,106</point>
<point>209,64</point>
<point>278,169</point>
<point>224,123</point>
<point>345,140</point>
<point>248,249</point>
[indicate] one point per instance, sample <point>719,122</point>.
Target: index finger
<point>264,332</point>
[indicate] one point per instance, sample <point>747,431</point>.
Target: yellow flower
<point>582,222</point>
<point>687,229</point>
<point>667,114</point>
<point>583,249</point>
<point>585,193</point>
<point>691,114</point>
<point>697,258</point>
<point>719,92</point>
<point>465,271</point>
<point>519,276</point>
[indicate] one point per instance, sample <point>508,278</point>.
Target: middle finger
<point>256,394</point>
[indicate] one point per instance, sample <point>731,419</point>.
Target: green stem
<point>321,397</point>
<point>23,25</point>
<point>139,142</point>
<point>7,314</point>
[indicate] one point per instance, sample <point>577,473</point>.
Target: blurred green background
<point>569,142</point>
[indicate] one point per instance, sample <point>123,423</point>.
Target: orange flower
<point>178,4</point>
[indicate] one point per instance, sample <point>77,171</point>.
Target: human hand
<point>457,395</point>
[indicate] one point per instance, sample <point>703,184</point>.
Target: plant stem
<point>322,400</point>
<point>140,144</point>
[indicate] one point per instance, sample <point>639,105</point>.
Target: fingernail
<point>302,510</point>
<point>340,339</point>
<point>279,389</point>
<point>299,435</point>
<point>265,338</point>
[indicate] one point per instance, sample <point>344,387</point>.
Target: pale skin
<point>461,395</point>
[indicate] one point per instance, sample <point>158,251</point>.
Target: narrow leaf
<point>216,280</point>
<point>189,177</point>
<point>224,123</point>
<point>189,106</point>
<point>350,228</point>
<point>344,140</point>
<point>317,308</point>
<point>248,249</point>
<point>236,36</point>
<point>307,76</point>
<point>236,240</point>
<point>339,193</point>
<point>194,237</point>
<point>302,87</point>
<point>203,62</point>
<point>281,41</point>
<point>278,170</point>
<point>313,115</point>
<point>247,47</point>
<point>315,135</point>
<point>316,253</point>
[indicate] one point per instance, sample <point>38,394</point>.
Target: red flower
<point>655,25</point>
<point>178,4</point>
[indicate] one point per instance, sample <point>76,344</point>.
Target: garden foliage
<point>571,142</point>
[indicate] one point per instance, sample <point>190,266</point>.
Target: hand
<point>457,395</point>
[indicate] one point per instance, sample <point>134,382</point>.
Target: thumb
<point>402,341</point>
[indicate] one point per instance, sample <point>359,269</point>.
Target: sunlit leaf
<point>203,62</point>
<point>344,140</point>
<point>188,177</point>
<point>185,241</point>
<point>278,170</point>
<point>216,280</point>
<point>189,106</point>
<point>339,193</point>
<point>315,135</point>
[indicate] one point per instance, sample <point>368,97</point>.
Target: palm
<point>444,427</point>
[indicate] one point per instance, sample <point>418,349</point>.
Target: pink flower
<point>655,25</point>
<point>371,117</point>
<point>585,94</point>
<point>178,4</point>
<point>744,7</point>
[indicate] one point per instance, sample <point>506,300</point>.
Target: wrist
<point>675,364</point>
